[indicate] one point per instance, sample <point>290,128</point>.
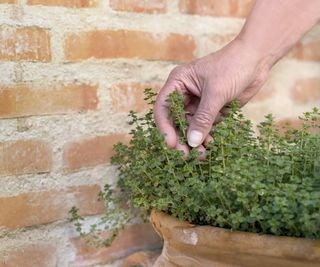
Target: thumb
<point>201,122</point>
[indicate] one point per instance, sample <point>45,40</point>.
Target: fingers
<point>202,152</point>
<point>203,119</point>
<point>161,115</point>
<point>191,108</point>
<point>181,147</point>
<point>207,140</point>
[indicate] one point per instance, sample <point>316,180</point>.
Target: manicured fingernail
<point>195,138</point>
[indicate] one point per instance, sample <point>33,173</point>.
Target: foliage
<point>269,183</point>
<point>114,219</point>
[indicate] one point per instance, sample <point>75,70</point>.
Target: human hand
<point>208,84</point>
<point>235,72</point>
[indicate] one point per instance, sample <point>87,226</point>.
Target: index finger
<point>161,115</point>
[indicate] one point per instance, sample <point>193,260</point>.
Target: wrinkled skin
<point>231,73</point>
<point>237,71</point>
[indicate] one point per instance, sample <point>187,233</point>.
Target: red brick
<point>295,124</point>
<point>266,92</point>
<point>90,151</point>
<point>126,97</point>
<point>65,3</point>
<point>223,40</point>
<point>235,8</point>
<point>306,50</point>
<point>85,198</point>
<point>8,1</point>
<point>24,43</point>
<point>25,156</point>
<point>153,6</point>
<point>31,255</point>
<point>134,238</point>
<point>34,208</point>
<point>27,100</point>
<point>306,91</point>
<point>214,42</point>
<point>128,44</point>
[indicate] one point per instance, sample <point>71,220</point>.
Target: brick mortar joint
<point>57,180</point>
<point>117,20</point>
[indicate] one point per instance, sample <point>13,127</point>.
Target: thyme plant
<point>267,183</point>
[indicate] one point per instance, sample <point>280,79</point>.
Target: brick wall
<point>70,70</point>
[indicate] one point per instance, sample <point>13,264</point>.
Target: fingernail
<point>195,138</point>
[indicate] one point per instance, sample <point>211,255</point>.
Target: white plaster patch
<point>190,237</point>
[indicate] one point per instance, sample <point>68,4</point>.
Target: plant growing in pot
<point>253,201</point>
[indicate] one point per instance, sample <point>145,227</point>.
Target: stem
<point>223,201</point>
<point>183,131</point>
<point>268,151</point>
<point>302,152</point>
<point>210,159</point>
<point>223,157</point>
<point>292,164</point>
<point>206,199</point>
<point>169,162</point>
<point>200,168</point>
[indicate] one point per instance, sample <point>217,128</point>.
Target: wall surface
<point>69,72</point>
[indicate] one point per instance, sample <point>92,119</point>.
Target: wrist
<point>273,27</point>
<point>261,60</point>
<point>263,55</point>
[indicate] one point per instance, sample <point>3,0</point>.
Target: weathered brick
<point>306,49</point>
<point>31,255</point>
<point>128,44</point>
<point>24,43</point>
<point>25,156</point>
<point>235,8</point>
<point>65,3</point>
<point>295,124</point>
<point>8,1</point>
<point>153,6</point>
<point>27,99</point>
<point>213,42</point>
<point>90,151</point>
<point>85,198</point>
<point>306,91</point>
<point>125,97</point>
<point>42,207</point>
<point>267,91</point>
<point>135,238</point>
<point>222,40</point>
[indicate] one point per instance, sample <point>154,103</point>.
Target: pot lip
<point>211,238</point>
<point>167,219</point>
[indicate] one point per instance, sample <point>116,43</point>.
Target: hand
<point>208,84</point>
<point>237,71</point>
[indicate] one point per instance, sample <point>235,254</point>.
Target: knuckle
<point>180,71</point>
<point>176,70</point>
<point>203,119</point>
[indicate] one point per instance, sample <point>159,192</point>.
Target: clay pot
<point>188,245</point>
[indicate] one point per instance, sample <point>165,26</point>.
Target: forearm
<point>274,26</point>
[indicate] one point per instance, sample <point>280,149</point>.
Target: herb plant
<point>114,219</point>
<point>267,183</point>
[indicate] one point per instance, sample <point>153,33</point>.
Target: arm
<point>238,70</point>
<point>273,27</point>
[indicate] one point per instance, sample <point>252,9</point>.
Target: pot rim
<point>172,229</point>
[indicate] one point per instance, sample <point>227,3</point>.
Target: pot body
<point>187,245</point>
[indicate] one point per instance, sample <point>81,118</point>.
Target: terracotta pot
<point>188,245</point>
